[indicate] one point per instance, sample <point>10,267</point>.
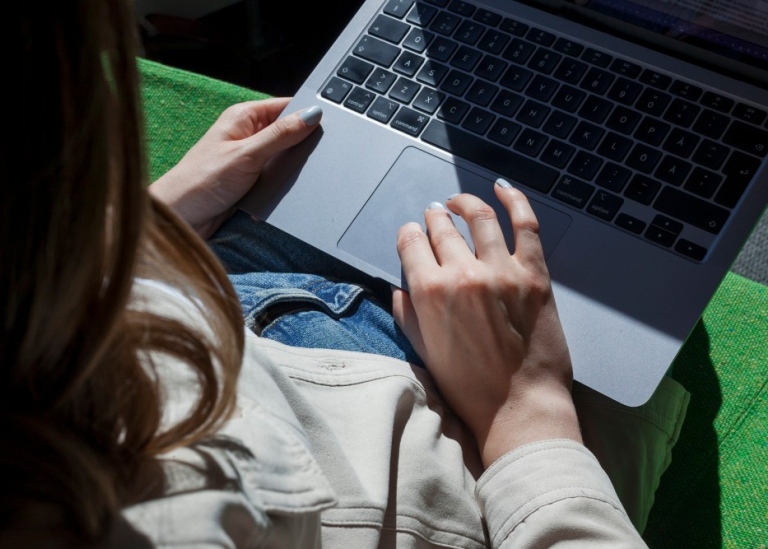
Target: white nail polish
<point>436,206</point>
<point>311,115</point>
<point>504,184</point>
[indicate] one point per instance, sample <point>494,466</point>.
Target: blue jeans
<point>295,294</point>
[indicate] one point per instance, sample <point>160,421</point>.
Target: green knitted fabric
<point>179,107</point>
<point>715,493</point>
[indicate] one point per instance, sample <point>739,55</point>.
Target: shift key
<point>691,209</point>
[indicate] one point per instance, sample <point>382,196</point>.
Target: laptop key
<point>585,165</point>
<point>428,100</point>
<point>504,131</point>
<point>398,8</point>
<point>681,143</point>
<point>478,121</point>
<point>623,120</point>
<point>452,110</point>
<point>445,23</point>
<point>541,37</point>
<point>382,109</point>
<point>642,189</point>
<point>573,191</point>
<point>613,177</point>
<point>682,113</point>
<point>404,90</point>
<point>660,236</point>
<point>632,224</point>
<point>690,249</point>
<point>597,81</point>
<point>596,57</point>
<point>570,71</point>
<point>359,99</point>
<point>747,137</point>
<point>530,142</point>
<point>354,69</point>
<point>462,8</point>
<point>431,73</point>
<point>469,32</point>
<point>673,170</point>
<point>717,102</point>
<point>691,209</point>
<point>441,49</point>
<point>655,79</point>
<point>652,102</point>
<point>381,80</point>
<point>739,171</point>
<point>625,68</point>
<point>493,41</point>
<point>409,121</point>
<point>605,205</point>
<point>568,48</point>
<point>518,51</point>
<point>422,14</point>
<point>711,154</point>
<point>559,124</point>
<point>557,153</point>
<point>408,63</point>
<point>506,163</point>
<point>688,91</point>
<point>336,90</point>
<point>711,124</point>
<point>487,17</point>
<point>418,39</point>
<point>389,29</point>
<point>376,50</point>
<point>625,91</point>
<point>643,158</point>
<point>702,182</point>
<point>749,113</point>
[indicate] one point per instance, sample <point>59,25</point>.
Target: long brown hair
<point>80,406</point>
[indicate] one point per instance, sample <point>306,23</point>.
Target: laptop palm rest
<point>414,180</point>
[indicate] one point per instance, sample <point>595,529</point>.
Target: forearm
<point>193,205</point>
<point>536,414</point>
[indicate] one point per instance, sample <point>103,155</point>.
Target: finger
<point>447,242</point>
<point>242,120</point>
<point>415,253</point>
<point>490,245</point>
<point>405,316</point>
<point>525,226</point>
<point>284,133</point>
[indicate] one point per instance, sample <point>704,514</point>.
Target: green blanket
<point>715,493</point>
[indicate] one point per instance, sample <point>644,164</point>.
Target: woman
<point>138,410</point>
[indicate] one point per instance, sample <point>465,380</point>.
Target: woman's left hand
<point>225,163</point>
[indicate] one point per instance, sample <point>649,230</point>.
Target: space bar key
<point>508,164</point>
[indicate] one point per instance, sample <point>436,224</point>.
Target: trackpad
<point>416,179</point>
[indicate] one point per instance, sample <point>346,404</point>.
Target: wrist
<point>540,413</point>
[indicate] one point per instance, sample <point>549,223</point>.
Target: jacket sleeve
<point>553,492</point>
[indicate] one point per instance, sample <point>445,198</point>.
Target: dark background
<point>265,45</point>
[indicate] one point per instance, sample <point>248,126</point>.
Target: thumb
<point>284,133</point>
<point>405,316</point>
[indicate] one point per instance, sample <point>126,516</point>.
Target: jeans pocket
<point>265,297</point>
<point>304,310</point>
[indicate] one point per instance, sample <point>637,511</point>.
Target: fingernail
<point>454,195</point>
<point>503,183</point>
<point>435,206</point>
<point>311,115</point>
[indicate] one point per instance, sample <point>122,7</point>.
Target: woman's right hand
<point>486,323</point>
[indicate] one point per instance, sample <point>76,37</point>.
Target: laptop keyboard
<point>659,157</point>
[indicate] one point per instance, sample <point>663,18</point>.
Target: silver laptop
<point>638,130</point>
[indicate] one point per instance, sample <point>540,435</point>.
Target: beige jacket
<point>350,450</point>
